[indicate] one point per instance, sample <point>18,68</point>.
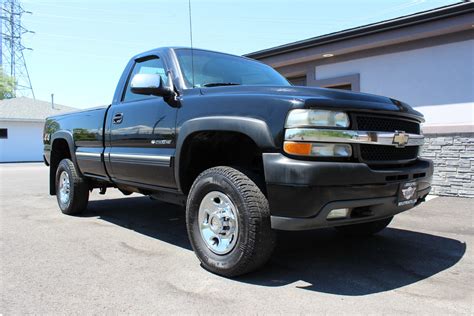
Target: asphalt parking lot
<point>132,255</point>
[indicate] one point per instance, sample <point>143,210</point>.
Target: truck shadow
<point>320,260</point>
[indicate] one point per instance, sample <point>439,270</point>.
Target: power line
<point>91,39</point>
<point>108,12</point>
<point>12,57</point>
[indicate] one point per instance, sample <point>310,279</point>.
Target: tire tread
<point>261,237</point>
<point>80,196</point>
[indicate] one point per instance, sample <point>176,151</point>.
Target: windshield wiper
<point>217,84</point>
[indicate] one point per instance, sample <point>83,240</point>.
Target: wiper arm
<point>217,84</point>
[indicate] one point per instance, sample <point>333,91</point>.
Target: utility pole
<point>13,59</point>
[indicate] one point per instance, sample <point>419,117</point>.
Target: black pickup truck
<point>244,151</point>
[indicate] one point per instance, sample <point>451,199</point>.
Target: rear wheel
<point>365,229</point>
<point>72,191</point>
<point>228,222</point>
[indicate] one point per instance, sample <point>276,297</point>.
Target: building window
<point>344,86</point>
<point>298,81</point>
<point>3,133</point>
<point>349,82</point>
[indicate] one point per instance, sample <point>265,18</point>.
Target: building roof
<point>456,9</point>
<point>26,109</point>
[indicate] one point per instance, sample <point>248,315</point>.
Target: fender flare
<point>67,136</point>
<point>255,129</point>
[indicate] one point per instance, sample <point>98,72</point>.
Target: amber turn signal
<point>317,149</point>
<point>295,148</point>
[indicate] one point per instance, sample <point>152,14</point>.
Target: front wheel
<point>228,222</point>
<point>365,229</point>
<point>72,190</point>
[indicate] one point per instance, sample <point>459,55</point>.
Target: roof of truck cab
<point>166,48</point>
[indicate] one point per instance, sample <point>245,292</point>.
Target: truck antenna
<point>191,38</point>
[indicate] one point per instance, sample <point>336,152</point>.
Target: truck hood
<point>321,97</point>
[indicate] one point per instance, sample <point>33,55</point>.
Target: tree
<point>7,86</point>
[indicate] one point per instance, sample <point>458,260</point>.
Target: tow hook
<point>103,190</point>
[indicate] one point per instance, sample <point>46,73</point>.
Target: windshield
<point>216,69</point>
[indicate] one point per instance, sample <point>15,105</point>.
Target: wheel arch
<point>255,129</point>
<point>62,146</point>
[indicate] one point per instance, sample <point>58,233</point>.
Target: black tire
<point>255,241</point>
<point>78,189</point>
<point>364,229</point>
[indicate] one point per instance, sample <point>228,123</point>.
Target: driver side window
<point>152,65</point>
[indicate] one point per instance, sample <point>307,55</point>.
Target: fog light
<point>338,213</point>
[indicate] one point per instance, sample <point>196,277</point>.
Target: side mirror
<point>150,84</point>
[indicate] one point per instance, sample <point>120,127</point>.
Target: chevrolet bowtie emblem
<point>400,139</point>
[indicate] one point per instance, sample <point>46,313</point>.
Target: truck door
<point>141,133</point>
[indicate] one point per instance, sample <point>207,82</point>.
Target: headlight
<point>317,118</point>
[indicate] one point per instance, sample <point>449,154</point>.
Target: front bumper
<point>302,193</point>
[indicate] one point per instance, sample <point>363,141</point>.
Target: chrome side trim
<point>81,155</point>
<point>350,137</point>
<point>147,157</point>
<point>141,159</point>
<point>87,154</point>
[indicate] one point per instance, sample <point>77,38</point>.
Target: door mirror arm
<point>173,98</point>
<point>152,84</point>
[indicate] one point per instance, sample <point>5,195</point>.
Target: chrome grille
<point>372,154</point>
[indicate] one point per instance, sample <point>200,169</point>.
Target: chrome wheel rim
<point>64,188</point>
<point>218,222</point>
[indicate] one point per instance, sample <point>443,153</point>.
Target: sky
<point>81,47</point>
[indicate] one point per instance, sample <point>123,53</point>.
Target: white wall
<point>24,143</point>
<point>437,80</point>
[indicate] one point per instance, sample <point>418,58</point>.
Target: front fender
<point>256,129</point>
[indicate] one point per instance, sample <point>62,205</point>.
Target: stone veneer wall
<point>453,157</point>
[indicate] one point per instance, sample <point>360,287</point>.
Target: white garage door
<point>21,141</point>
